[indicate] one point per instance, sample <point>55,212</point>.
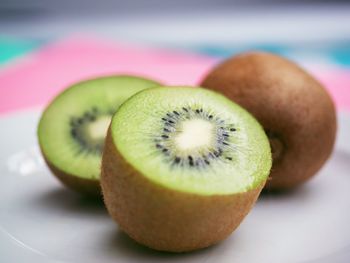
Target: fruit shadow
<point>118,244</point>
<point>63,200</point>
<point>297,194</point>
<point>281,193</point>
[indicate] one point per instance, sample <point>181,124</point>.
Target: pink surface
<point>37,78</point>
<point>337,81</point>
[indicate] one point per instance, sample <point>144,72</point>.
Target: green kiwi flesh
<point>182,166</point>
<point>73,127</point>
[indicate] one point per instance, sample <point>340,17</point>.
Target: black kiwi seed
<point>185,109</point>
<point>73,132</point>
<point>166,130</point>
<point>210,116</point>
<point>190,160</point>
<point>90,116</point>
<point>197,111</point>
<point>177,159</point>
<point>175,112</point>
<point>229,158</point>
<point>164,119</point>
<point>232,129</point>
<point>165,136</point>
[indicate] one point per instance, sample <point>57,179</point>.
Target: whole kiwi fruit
<point>296,111</point>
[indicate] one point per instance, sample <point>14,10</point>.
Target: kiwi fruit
<point>295,110</point>
<point>74,125</point>
<point>182,167</point>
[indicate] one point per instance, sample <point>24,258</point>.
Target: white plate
<point>40,221</point>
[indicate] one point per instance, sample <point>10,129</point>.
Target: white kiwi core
<point>98,129</point>
<point>195,134</point>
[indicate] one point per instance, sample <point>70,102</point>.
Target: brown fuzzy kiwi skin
<point>164,219</point>
<point>291,105</point>
<point>87,187</point>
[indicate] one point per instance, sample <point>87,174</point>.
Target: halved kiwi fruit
<point>296,111</point>
<point>73,128</point>
<point>182,167</point>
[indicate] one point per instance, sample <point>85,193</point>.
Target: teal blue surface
<point>342,55</point>
<point>226,51</point>
<point>337,53</point>
<point>11,48</point>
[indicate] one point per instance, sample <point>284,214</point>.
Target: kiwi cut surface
<point>182,166</point>
<point>73,128</point>
<point>295,110</point>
